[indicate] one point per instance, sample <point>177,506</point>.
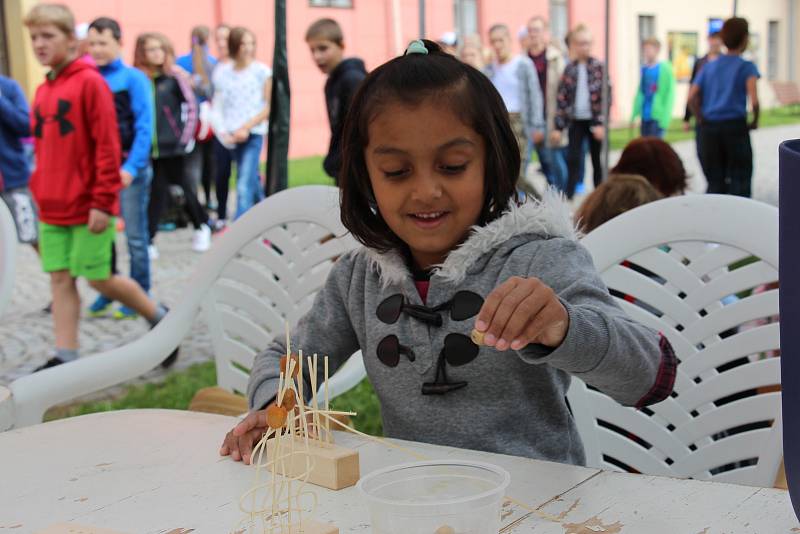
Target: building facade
<point>377,30</point>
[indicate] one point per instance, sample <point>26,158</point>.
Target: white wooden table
<point>158,471</point>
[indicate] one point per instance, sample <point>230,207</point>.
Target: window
<point>772,50</point>
<point>559,22</point>
<point>331,3</point>
<point>466,18</point>
<point>647,29</point>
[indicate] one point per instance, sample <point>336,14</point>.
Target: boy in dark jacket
<point>326,41</point>
<point>14,168</point>
<point>77,179</point>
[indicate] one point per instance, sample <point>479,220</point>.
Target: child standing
<point>77,178</point>
<point>241,100</point>
<point>173,137</point>
<point>429,188</point>
<point>134,106</point>
<point>580,108</point>
<point>656,95</point>
<point>326,42</point>
<point>719,100</point>
<point>15,171</point>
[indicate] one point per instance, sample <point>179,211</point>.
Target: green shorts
<point>77,250</point>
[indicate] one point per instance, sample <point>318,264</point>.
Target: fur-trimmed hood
<point>548,218</point>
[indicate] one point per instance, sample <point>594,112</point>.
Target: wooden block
<point>334,467</point>
<point>309,526</point>
<point>72,528</point>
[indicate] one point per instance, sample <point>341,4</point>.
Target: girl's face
<point>154,53</point>
<point>247,50</point>
<point>426,168</point>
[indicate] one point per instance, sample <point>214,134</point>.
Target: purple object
<point>789,276</point>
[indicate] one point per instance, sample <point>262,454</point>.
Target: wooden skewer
<point>327,404</point>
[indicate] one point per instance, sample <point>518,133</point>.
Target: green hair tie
<point>416,47</point>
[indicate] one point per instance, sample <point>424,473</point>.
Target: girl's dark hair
<point>654,159</point>
<point>409,80</point>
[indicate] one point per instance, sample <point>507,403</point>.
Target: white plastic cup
<point>441,496</point>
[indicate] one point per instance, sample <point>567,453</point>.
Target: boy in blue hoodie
<point>134,107</point>
<point>15,171</point>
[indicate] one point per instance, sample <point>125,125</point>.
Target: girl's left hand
<point>241,135</point>
<point>521,311</point>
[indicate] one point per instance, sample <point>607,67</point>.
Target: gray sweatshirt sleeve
<point>325,330</point>
<point>603,346</point>
<point>531,97</point>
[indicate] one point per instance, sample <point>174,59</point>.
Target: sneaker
<point>100,307</point>
<point>219,225</point>
<point>169,360</point>
<point>202,239</point>
<point>49,308</point>
<point>52,362</point>
<point>152,252</point>
<point>124,312</point>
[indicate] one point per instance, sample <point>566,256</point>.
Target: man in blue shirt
<point>15,169</point>
<point>134,106</point>
<point>719,100</point>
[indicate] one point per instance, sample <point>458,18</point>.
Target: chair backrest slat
<point>702,270</point>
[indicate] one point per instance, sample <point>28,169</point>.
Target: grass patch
<point>175,392</point>
<point>178,388</point>
<point>619,137</point>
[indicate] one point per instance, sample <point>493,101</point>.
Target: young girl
<point>615,196</point>
<point>428,186</point>
<point>175,121</point>
<point>241,101</point>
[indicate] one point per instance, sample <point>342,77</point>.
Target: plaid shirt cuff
<point>665,380</point>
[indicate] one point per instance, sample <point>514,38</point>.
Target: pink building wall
<point>369,31</point>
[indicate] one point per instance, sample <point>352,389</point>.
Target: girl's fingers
<point>492,302</point>
<point>527,310</point>
<point>253,420</point>
<point>247,442</point>
<point>506,310</point>
<point>548,328</point>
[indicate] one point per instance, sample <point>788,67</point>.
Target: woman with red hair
<point>655,160</point>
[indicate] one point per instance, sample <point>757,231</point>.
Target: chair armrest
<point>32,395</point>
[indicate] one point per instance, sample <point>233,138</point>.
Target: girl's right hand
<point>240,441</point>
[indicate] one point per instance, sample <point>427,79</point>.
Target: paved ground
<point>26,332</point>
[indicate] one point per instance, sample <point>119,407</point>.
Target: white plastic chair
<point>261,273</point>
<point>8,255</point>
<point>723,421</point>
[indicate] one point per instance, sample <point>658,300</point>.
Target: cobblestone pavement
<point>26,337</point>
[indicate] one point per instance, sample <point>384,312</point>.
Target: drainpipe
<point>606,106</point>
<point>421,19</point>
<point>790,46</point>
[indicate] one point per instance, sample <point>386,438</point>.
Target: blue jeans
<point>248,186</point>
<point>554,165</point>
<point>650,128</point>
<point>134,200</point>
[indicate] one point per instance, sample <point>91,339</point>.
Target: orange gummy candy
<point>276,416</point>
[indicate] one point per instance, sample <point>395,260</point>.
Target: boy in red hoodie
<point>77,179</point>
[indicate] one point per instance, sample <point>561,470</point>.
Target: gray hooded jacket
<point>514,402</point>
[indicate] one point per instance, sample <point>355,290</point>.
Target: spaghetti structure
<point>280,502</point>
